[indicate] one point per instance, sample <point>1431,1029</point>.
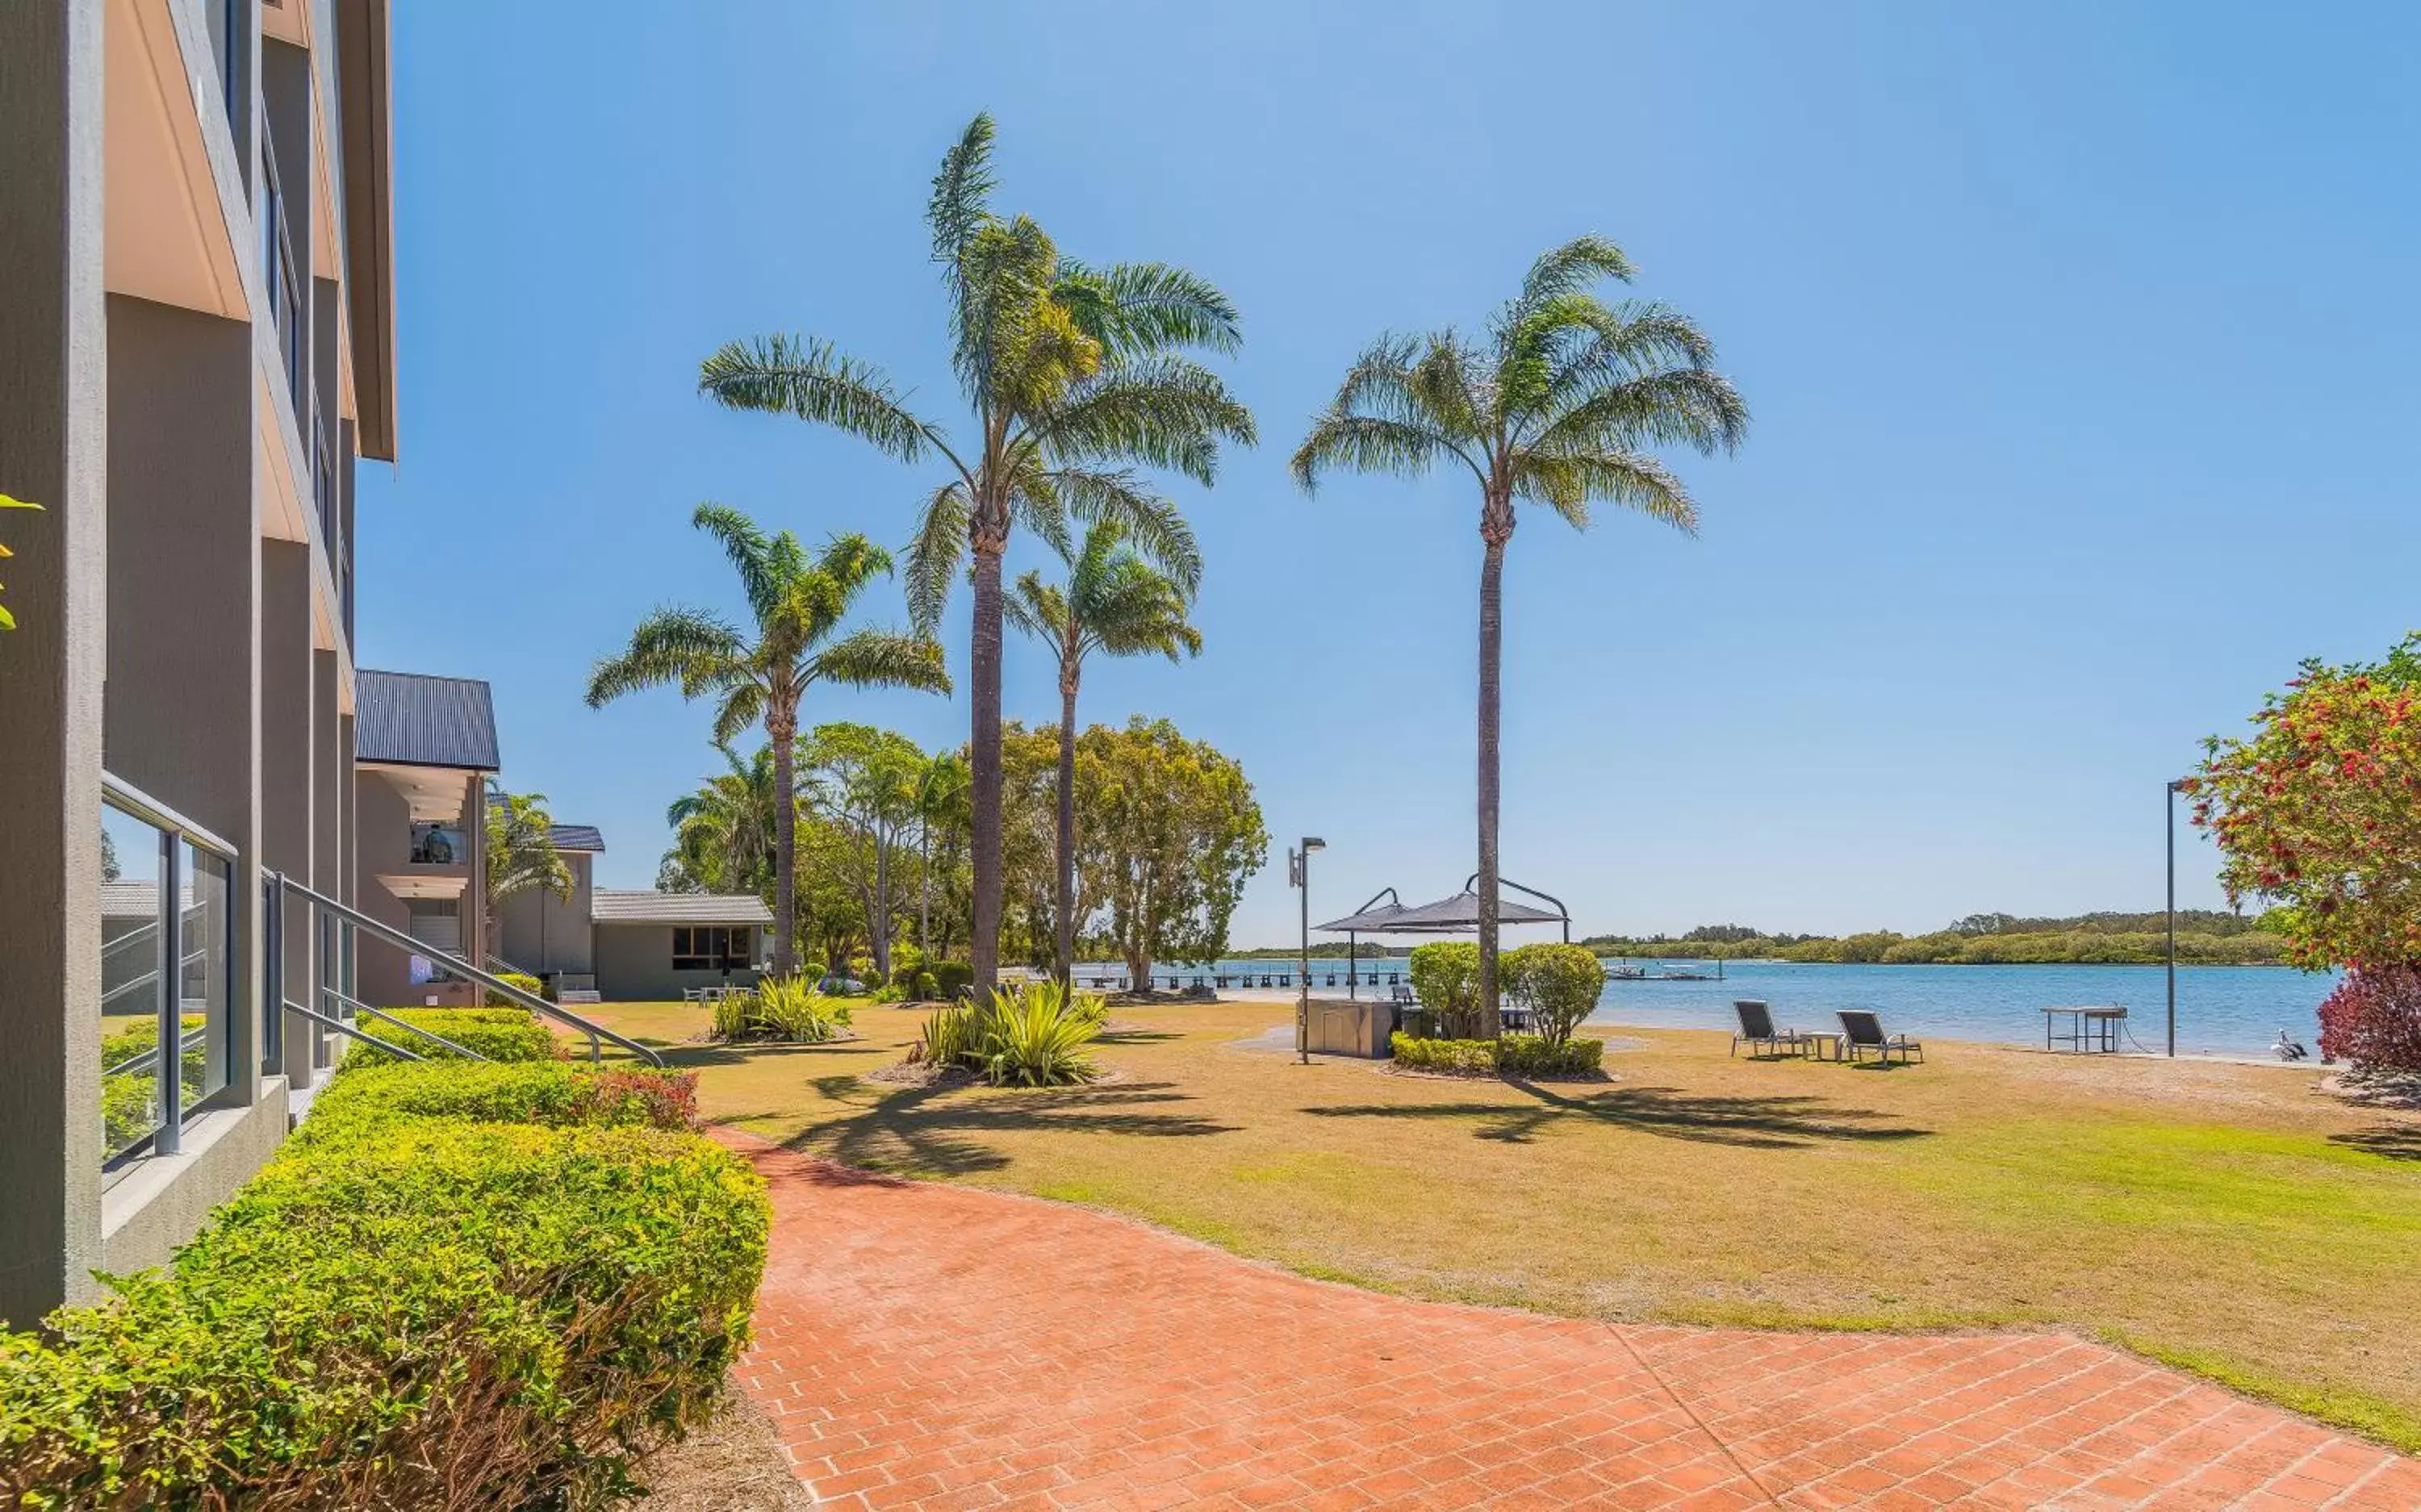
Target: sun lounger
<point>1864,1032</point>
<point>1757,1029</point>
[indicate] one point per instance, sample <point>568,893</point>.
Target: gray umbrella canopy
<point>1369,920</point>
<point>1459,915</point>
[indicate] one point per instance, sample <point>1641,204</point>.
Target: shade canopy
<point>1369,920</point>
<point>1458,915</point>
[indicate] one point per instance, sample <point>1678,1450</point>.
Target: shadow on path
<point>1756,1122</point>
<point>938,1130</point>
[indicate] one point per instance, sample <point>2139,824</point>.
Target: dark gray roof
<point>577,838</point>
<point>409,720</point>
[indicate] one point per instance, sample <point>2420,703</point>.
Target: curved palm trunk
<point>1064,900</point>
<point>983,751</point>
<point>1491,644</point>
<point>783,731</point>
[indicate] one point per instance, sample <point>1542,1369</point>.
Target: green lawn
<point>2221,1217</point>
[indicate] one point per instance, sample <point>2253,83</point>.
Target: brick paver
<point>937,1346</point>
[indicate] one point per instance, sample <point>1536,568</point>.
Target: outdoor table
<point>1815,1042</point>
<point>2090,1027</point>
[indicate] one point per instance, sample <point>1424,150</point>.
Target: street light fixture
<point>1299,876</point>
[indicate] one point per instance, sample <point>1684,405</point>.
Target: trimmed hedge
<point>522,979</point>
<point>493,1033</point>
<point>1512,1055</point>
<point>553,1093</point>
<point>406,1310</point>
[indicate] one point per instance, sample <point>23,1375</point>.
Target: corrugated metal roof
<point>409,720</point>
<point>577,838</point>
<point>613,907</point>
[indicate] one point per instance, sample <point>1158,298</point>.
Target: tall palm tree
<point>1072,375</point>
<point>1558,404</point>
<point>798,604</point>
<point>1118,604</point>
<point>724,833</point>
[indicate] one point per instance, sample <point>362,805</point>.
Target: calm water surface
<point>2222,1010</point>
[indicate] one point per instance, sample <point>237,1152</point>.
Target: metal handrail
<point>359,1007</point>
<point>133,801</point>
<point>596,1031</point>
<point>343,1028</point>
<point>150,977</point>
<point>144,1060</point>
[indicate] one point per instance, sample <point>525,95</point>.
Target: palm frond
<point>884,659</point>
<point>851,561</point>
<point>1572,268</point>
<point>1152,521</point>
<point>961,199</point>
<point>673,645</point>
<point>1037,608</point>
<point>1678,407</point>
<point>1138,308</point>
<point>815,380</point>
<point>934,554</point>
<point>1161,412</point>
<point>1637,481</point>
<point>1366,443</point>
<point>745,544</point>
<point>742,708</point>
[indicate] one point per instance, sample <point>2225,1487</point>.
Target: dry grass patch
<point>2228,1217</point>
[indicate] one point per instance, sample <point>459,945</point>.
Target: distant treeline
<point>1323,950</point>
<point>2203,936</point>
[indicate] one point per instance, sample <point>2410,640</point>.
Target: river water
<point>2222,1010</point>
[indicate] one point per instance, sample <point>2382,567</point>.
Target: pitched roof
<point>577,838</point>
<point>409,720</point>
<point>610,906</point>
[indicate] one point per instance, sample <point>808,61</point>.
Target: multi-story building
<point>197,343</point>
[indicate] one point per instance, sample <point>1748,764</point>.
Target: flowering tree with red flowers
<point>2319,811</point>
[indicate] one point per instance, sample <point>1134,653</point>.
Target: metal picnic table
<point>2091,1027</point>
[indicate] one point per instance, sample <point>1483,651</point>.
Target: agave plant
<point>1033,1035</point>
<point>788,1009</point>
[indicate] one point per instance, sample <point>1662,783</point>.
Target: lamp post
<point>2169,810</point>
<point>1299,873</point>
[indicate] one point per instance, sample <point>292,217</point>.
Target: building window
<point>168,974</point>
<point>714,947</point>
<point>439,845</point>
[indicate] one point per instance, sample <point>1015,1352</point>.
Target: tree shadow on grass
<point>2397,1142</point>
<point>684,1054</point>
<point>1754,1122</point>
<point>938,1130</point>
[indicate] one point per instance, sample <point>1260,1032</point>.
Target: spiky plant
<point>1562,402</point>
<point>1072,377</point>
<point>1118,604</point>
<point>797,604</point>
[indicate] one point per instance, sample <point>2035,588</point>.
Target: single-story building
<point>552,938</point>
<point>650,946</point>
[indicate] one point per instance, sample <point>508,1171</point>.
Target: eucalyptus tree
<point>1118,604</point>
<point>1562,401</point>
<point>940,809</point>
<point>1072,376</point>
<point>862,781</point>
<point>796,602</point>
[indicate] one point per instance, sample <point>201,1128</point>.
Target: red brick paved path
<point>938,1347</point>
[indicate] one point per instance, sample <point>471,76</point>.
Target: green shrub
<point>950,978</point>
<point>1535,1055</point>
<point>553,1093</point>
<point>1445,978</point>
<point>492,1034</point>
<point>787,1010</point>
<point>1558,984</point>
<point>1512,1055</point>
<point>1447,1057</point>
<point>422,1313</point>
<point>522,979</point>
<point>1031,1035</point>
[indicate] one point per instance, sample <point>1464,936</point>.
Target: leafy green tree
<point>862,781</point>
<point>796,602</point>
<point>1118,604</point>
<point>1559,984</point>
<point>941,814</point>
<point>1445,978</point>
<point>1559,404</point>
<point>1170,833</point>
<point>1072,376</point>
<point>521,852</point>
<point>722,833</point>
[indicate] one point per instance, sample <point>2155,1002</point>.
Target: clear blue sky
<point>2079,341</point>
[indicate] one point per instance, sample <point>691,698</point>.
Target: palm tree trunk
<point>1065,897</point>
<point>880,926</point>
<point>1491,650</point>
<point>925,891</point>
<point>983,751</point>
<point>782,730</point>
